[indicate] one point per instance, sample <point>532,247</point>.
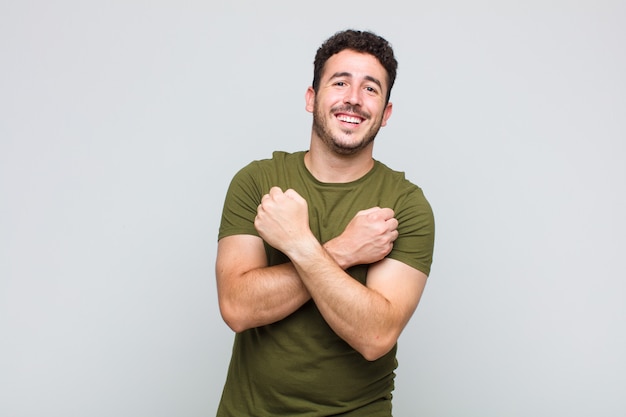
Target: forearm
<point>358,314</point>
<point>261,296</point>
<point>250,292</point>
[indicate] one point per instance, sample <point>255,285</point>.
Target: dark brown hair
<point>359,41</point>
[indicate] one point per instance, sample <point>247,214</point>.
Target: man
<point>323,254</point>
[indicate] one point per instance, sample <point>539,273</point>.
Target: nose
<point>353,96</point>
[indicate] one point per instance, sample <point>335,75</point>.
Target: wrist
<point>336,250</point>
<point>303,249</point>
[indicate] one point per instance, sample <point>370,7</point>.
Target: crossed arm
<point>368,317</point>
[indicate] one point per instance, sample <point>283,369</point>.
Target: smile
<point>349,119</point>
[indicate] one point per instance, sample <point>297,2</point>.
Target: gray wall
<point>121,124</point>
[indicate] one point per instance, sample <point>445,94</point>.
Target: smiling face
<point>350,105</point>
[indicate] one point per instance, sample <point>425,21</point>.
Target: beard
<point>339,145</point>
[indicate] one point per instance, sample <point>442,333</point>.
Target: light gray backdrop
<point>122,122</point>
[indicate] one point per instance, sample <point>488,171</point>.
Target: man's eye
<point>370,89</point>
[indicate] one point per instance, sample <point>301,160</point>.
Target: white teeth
<point>349,119</point>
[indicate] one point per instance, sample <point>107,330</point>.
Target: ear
<point>387,113</point>
<point>309,98</point>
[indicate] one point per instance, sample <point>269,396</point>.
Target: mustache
<point>347,108</point>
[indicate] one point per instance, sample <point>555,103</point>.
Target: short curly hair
<point>359,41</point>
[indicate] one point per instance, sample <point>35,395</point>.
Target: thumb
<point>293,194</point>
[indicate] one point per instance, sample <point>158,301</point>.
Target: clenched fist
<point>282,218</point>
<point>368,237</point>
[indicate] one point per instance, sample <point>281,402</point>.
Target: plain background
<point>122,123</point>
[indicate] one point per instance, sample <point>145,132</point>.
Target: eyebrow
<point>349,75</point>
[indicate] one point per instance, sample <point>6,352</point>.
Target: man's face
<point>349,107</point>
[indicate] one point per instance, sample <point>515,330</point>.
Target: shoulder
<point>258,176</point>
<point>384,171</point>
<point>412,208</point>
<point>279,159</point>
<point>398,183</point>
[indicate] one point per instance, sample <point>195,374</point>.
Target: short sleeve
<point>240,204</point>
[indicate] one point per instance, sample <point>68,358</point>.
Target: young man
<point>323,254</point>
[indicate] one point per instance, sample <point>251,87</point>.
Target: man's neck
<point>327,166</point>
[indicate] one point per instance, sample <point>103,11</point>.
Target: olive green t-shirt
<point>298,366</point>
